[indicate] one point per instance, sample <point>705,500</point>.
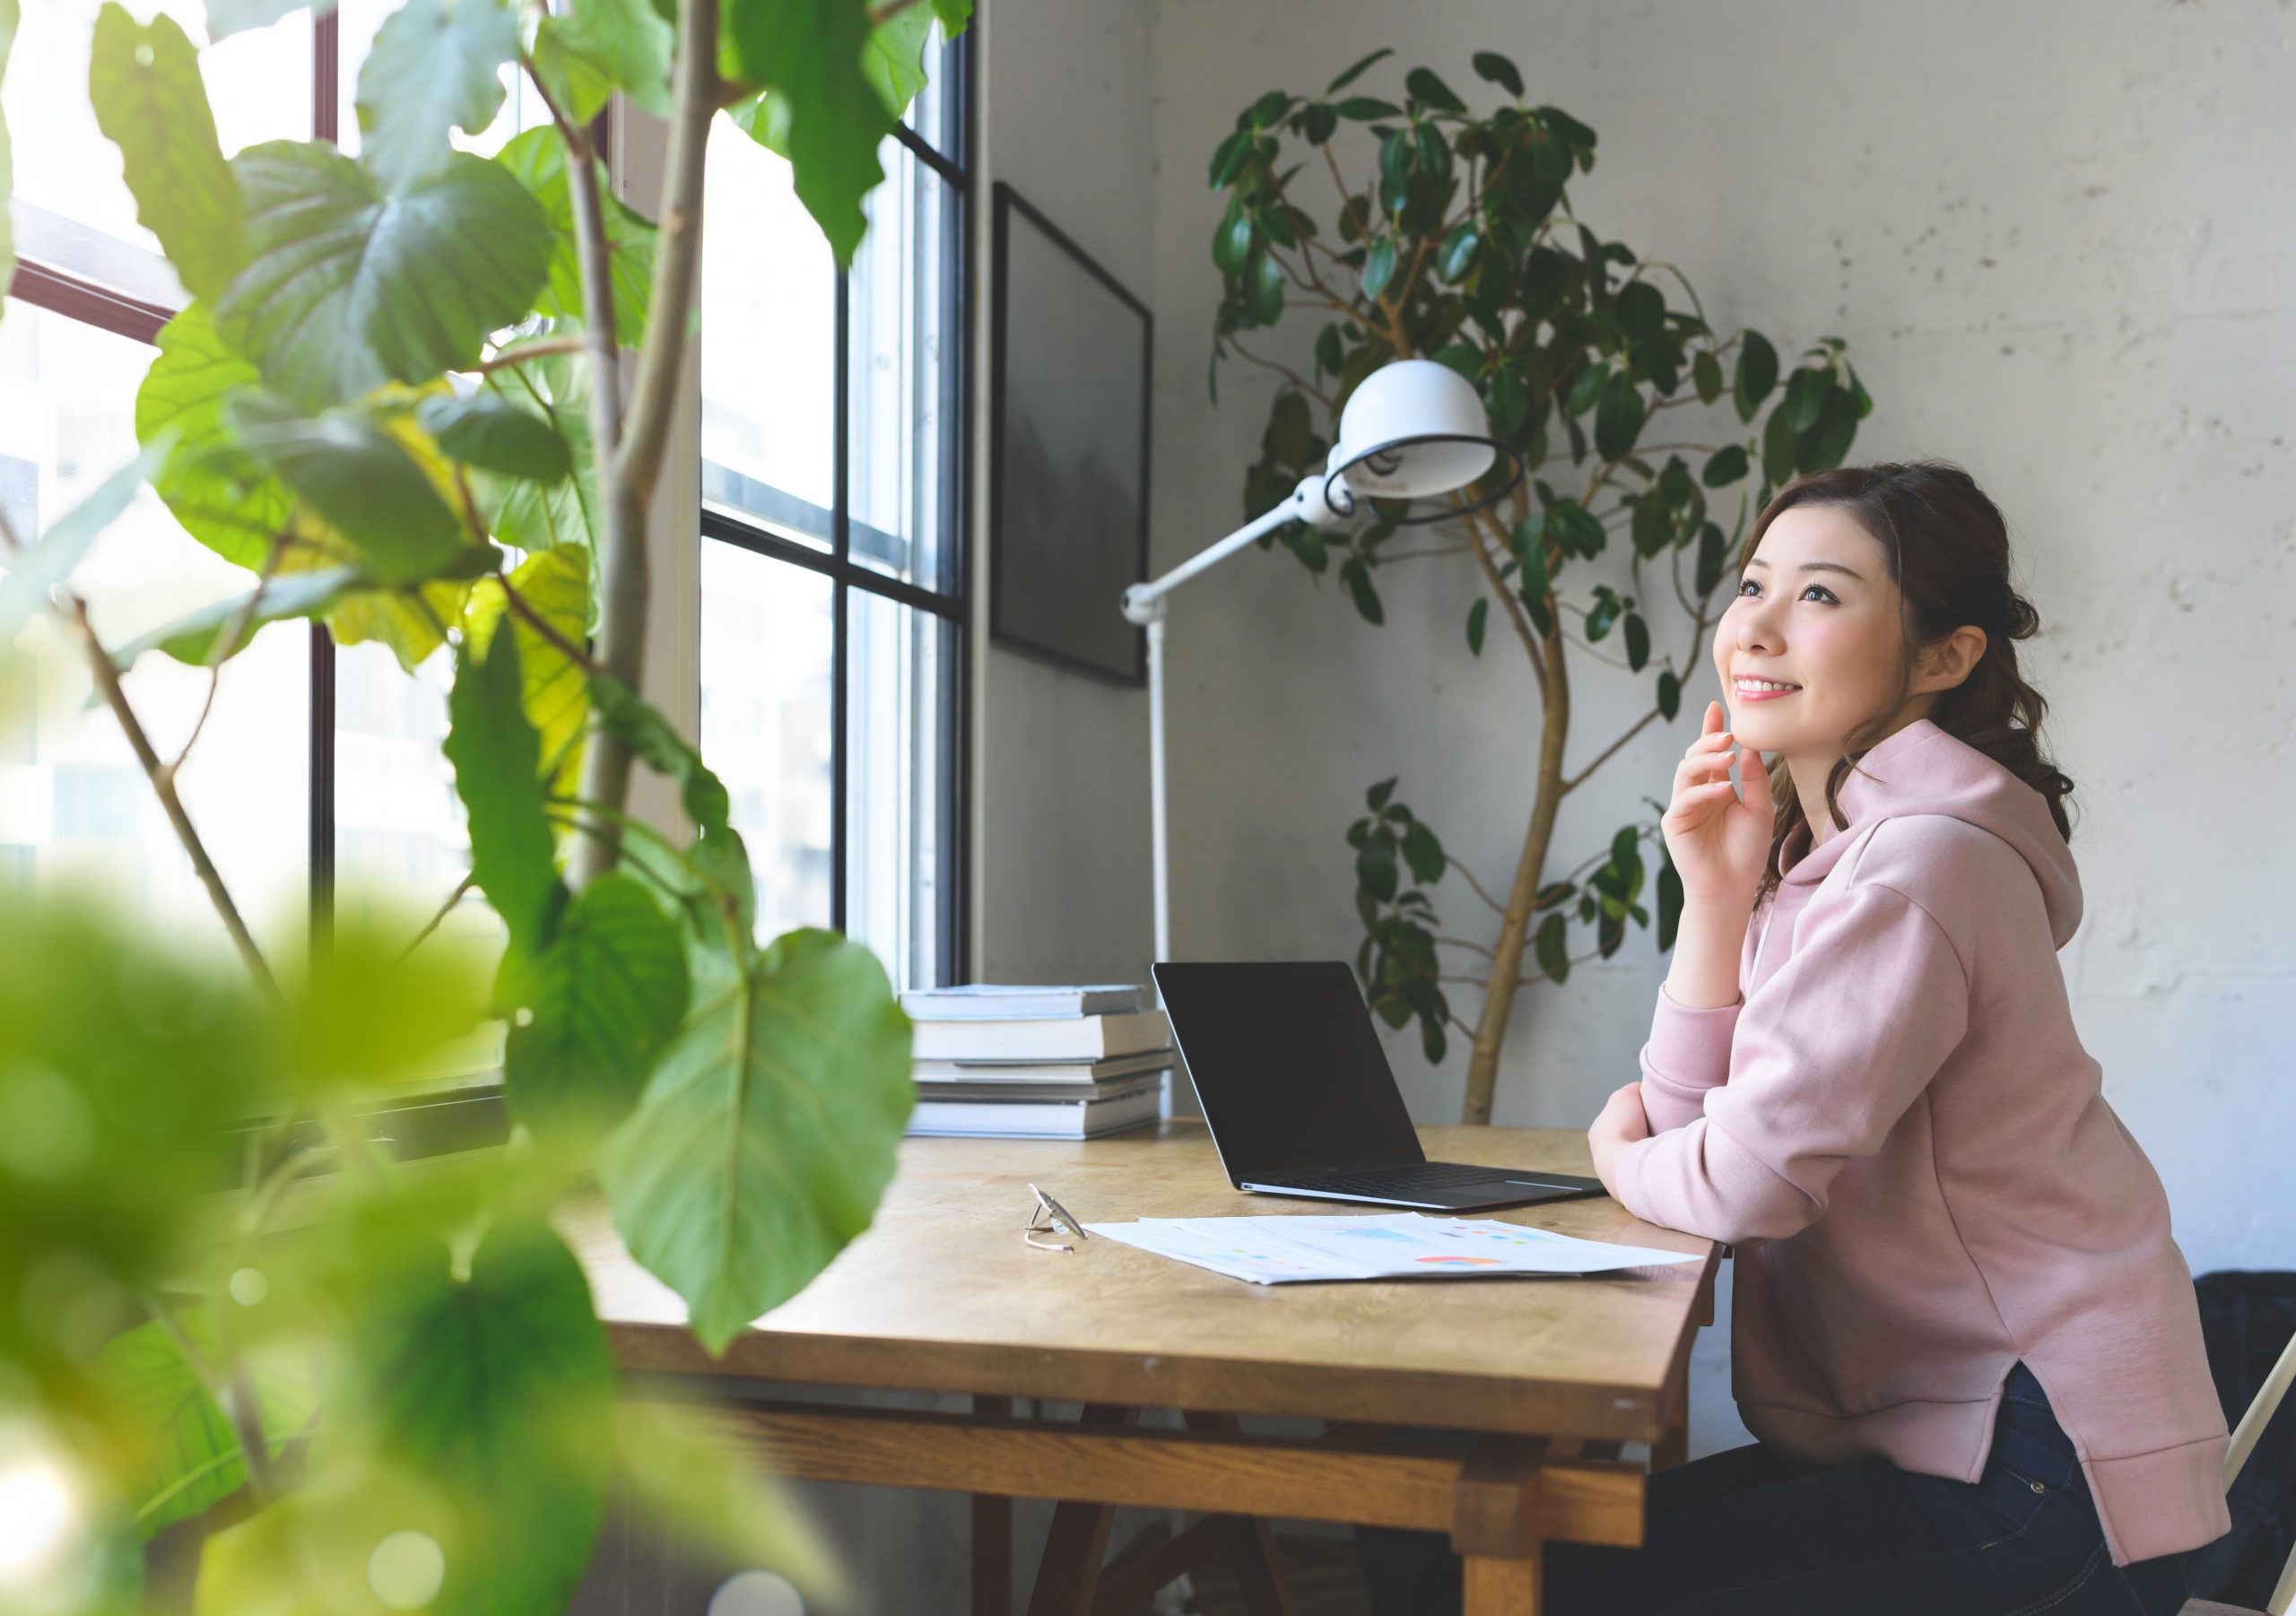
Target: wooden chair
<point>2244,1441</point>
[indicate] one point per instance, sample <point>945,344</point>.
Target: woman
<point>1961,1328</point>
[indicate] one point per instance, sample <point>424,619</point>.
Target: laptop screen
<point>1287,1066</point>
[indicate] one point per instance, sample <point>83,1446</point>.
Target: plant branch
<point>520,352</point>
<point>1285,371</point>
<point>74,612</point>
<point>543,626</point>
<point>1463,942</point>
<point>226,644</point>
<point>1497,907</point>
<point>438,919</point>
<point>1572,782</point>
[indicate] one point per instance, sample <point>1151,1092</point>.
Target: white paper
<point>1386,1245</point>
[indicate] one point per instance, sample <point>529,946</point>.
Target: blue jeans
<point>1750,1530</point>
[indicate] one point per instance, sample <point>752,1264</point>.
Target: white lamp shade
<point>1413,429</point>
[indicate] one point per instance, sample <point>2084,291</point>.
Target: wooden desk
<point>1532,1382</point>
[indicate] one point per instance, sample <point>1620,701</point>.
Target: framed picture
<point>1069,423</point>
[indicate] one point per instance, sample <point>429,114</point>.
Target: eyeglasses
<point>1049,1217</point>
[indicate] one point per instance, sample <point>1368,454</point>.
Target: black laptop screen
<point>1287,1065</point>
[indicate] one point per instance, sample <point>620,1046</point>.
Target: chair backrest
<point>2261,1408</point>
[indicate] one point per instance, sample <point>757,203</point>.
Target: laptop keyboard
<point>1428,1174</point>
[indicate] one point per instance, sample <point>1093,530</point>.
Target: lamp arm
<point>1144,603</point>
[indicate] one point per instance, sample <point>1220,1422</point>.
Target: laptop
<point>1299,1098</point>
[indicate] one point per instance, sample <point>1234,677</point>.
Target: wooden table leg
<point>1251,1544</point>
<point>1069,1577</point>
<point>1496,1586</point>
<point>992,1534</point>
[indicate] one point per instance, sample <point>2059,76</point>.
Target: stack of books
<point>1042,1062</point>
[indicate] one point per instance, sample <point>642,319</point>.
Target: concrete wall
<point>2058,241</point>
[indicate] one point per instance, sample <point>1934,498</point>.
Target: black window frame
<point>74,297</point>
<point>951,600</point>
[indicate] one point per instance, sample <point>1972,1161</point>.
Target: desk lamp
<point>1413,430</point>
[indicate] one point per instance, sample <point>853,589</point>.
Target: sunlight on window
<point>768,355</point>
<point>72,799</point>
<point>766,651</point>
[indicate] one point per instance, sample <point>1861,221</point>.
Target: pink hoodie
<point>1897,1128</point>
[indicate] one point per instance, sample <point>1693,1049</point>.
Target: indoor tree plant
<point>396,397</point>
<point>1453,239</point>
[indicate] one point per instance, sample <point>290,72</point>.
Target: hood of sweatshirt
<point>1922,769</point>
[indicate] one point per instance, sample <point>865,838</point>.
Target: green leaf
<point>768,1133</point>
<point>1364,108</point>
<point>1618,417</point>
<point>488,432</point>
<point>537,515</point>
<point>1358,579</point>
<point>1822,446</point>
<point>1264,287</point>
<point>497,757</point>
<point>1317,123</point>
<point>1585,387</point>
<point>718,851</point>
<point>1290,435</point>
<point>1638,642</point>
<point>1757,373</point>
<point>346,288</point>
<point>602,45</point>
<point>192,1456</point>
<point>809,52</point>
<point>607,993</point>
<point>1670,903</point>
<point>1430,91</point>
<point>1376,798</point>
<point>435,65</point>
<point>1423,853</point>
<point>1726,465</point>
<point>1228,157</point>
<point>357,475</point>
<point>1577,529</point>
<point>228,17</point>
<point>189,638</point>
<point>1710,543</point>
<point>1378,267</point>
<point>1706,372</point>
<point>220,494</point>
<point>498,1391</point>
<point>681,1472</point>
<point>1356,72</point>
<point>1499,71</point>
<point>1552,955</point>
<point>1670,694</point>
<point>1232,243</point>
<point>1805,395</point>
<point>1478,615</point>
<point>1456,255</point>
<point>150,100</point>
<point>43,564</point>
<point>554,689</point>
<point>538,158</point>
<point>1375,868</point>
<point>1779,445</point>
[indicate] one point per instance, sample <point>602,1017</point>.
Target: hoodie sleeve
<point>1689,1052</point>
<point>1824,1058</point>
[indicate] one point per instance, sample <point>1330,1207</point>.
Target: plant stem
<point>73,611</point>
<point>630,452</point>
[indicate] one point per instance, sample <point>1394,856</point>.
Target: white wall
<point>2059,239</point>
<point>1060,873</point>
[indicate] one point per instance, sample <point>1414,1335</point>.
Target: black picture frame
<point>1059,564</point>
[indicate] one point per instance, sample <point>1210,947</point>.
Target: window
<point>832,478</point>
<point>317,763</point>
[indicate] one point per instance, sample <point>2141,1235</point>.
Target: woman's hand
<point>1622,1124</point>
<point>1718,843</point>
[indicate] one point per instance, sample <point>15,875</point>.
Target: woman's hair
<point>1948,553</point>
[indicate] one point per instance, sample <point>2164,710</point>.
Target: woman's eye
<point>1755,584</point>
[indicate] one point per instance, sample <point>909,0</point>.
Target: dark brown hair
<point>1948,552</point>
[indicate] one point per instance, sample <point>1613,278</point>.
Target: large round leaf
<point>498,1391</point>
<point>220,494</point>
<point>605,993</point>
<point>345,288</point>
<point>538,158</point>
<point>149,98</point>
<point>435,65</point>
<point>351,471</point>
<point>768,1133</point>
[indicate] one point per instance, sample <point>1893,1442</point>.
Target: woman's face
<point>1815,609</point>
